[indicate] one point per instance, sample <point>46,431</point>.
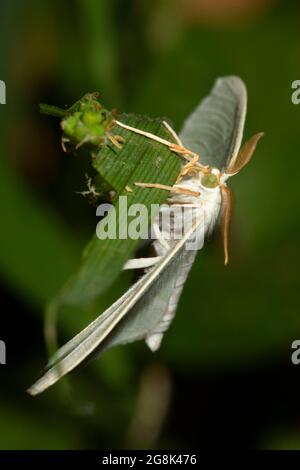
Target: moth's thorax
<point>208,200</point>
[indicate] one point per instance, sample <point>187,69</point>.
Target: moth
<point>146,310</point>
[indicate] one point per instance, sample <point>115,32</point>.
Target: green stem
<point>52,110</point>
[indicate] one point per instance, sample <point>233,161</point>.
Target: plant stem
<point>52,110</point>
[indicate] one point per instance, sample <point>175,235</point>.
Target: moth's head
<point>210,178</point>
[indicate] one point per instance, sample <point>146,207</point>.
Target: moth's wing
<point>140,322</point>
<point>109,328</point>
<point>215,129</point>
<point>87,342</point>
<point>167,297</point>
<point>77,340</point>
<point>153,313</point>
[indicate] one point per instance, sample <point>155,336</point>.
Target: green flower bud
<point>88,123</point>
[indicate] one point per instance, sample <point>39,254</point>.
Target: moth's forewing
<point>106,326</point>
<point>214,130</point>
<point>79,339</point>
<point>146,315</point>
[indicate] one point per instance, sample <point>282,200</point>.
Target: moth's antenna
<point>225,218</point>
<point>244,155</point>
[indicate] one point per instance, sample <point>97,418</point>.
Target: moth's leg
<point>174,189</point>
<point>195,157</point>
<point>120,139</point>
<point>116,140</point>
<point>190,168</point>
<point>173,133</point>
<point>172,202</point>
<point>154,185</point>
<point>140,263</point>
<point>149,135</point>
<point>185,153</point>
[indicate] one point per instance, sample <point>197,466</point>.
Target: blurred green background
<point>223,376</point>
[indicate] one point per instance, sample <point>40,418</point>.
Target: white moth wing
<point>214,130</point>
<point>73,343</point>
<point>97,334</point>
<point>167,297</point>
<point>145,317</point>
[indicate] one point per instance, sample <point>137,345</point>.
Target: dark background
<point>223,376</point>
